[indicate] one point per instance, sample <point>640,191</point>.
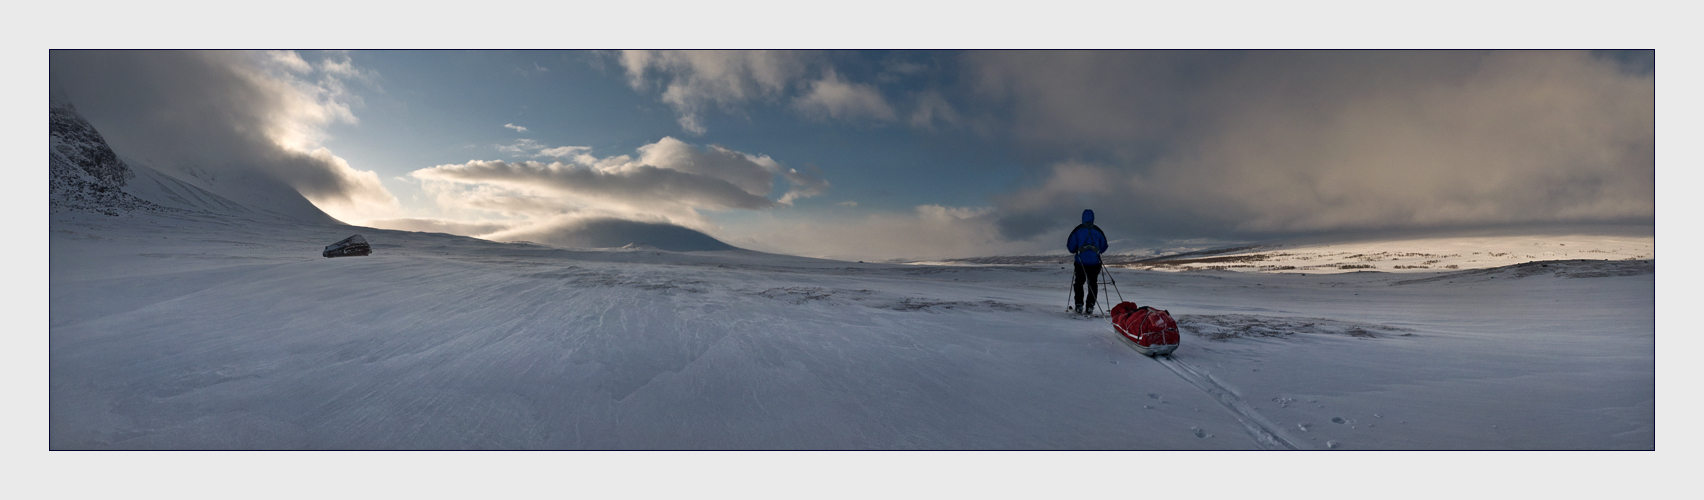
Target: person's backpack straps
<point>1088,244</point>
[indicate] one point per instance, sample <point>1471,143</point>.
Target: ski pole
<point>1069,293</point>
<point>1106,299</point>
<point>1114,284</point>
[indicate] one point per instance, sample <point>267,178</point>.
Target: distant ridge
<point>1424,252</point>
<point>607,232</point>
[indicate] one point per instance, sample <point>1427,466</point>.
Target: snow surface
<point>200,330</point>
<point>207,320</point>
<point>1423,254</point>
<point>204,318</point>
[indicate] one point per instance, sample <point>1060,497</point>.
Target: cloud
<point>697,82</point>
<point>629,184</point>
<point>289,60</point>
<point>831,97</point>
<point>565,151</point>
<point>517,128</point>
<point>932,107</point>
<point>577,231</point>
<point>1295,142</point>
<point>260,113</point>
<point>894,70</point>
<point>925,232</point>
<point>477,228</point>
<point>670,181</point>
<point>521,147</point>
<point>534,149</point>
<point>1099,98</point>
<point>693,82</point>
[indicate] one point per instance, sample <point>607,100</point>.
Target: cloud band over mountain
<point>669,182</point>
<point>227,112</point>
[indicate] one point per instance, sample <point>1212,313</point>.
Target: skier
<point>1086,242</point>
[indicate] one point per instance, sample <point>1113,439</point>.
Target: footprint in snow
<point>1152,395</point>
<point>1338,420</point>
<point>1198,432</point>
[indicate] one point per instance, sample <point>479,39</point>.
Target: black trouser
<point>1084,272</point>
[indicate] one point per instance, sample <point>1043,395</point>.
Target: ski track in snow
<point>1262,431</point>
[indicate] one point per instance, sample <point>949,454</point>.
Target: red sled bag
<point>1150,331</point>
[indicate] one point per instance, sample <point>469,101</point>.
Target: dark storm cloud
<point>1192,143</point>
<point>221,112</point>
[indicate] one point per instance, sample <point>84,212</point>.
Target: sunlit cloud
<point>533,149</point>
<point>590,231</point>
<point>516,128</point>
<point>925,232</point>
<point>669,181</point>
<point>464,228</point>
<point>521,147</point>
<point>565,151</point>
<point>262,113</point>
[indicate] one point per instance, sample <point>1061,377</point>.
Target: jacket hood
<point>1088,215</point>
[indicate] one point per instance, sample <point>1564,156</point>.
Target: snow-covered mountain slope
<point>177,330</point>
<point>166,190</point>
<point>85,174</point>
<point>613,233</point>
<point>230,191</point>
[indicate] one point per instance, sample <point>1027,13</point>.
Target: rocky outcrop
<point>83,172</point>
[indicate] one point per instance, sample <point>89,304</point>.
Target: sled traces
<point>1261,430</point>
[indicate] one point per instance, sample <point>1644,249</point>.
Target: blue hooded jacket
<point>1087,241</point>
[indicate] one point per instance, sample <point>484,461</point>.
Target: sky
<point>896,154</point>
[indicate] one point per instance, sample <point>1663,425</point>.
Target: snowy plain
<point>189,312</point>
<point>202,330</point>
